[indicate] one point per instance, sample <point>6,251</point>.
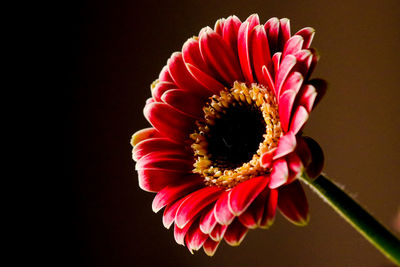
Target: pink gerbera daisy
<point>226,144</point>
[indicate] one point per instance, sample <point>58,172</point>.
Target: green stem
<point>358,217</point>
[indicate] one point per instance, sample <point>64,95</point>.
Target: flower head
<point>226,145</point>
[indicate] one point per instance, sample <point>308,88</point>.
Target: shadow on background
<point>118,49</point>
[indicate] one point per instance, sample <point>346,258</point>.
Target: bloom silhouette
<point>226,147</point>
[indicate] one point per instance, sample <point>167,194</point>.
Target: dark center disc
<point>236,136</point>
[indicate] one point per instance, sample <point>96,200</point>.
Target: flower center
<point>239,126</point>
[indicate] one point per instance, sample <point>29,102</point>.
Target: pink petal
<point>304,60</point>
<point>165,76</point>
<point>268,79</point>
<point>156,179</point>
<point>317,158</point>
<point>260,54</point>
<point>242,195</point>
<point>170,212</point>
<point>284,33</point>
<point>218,232</point>
<point>243,50</point>
<point>153,144</point>
<point>314,61</point>
<point>185,102</point>
<point>279,174</point>
<point>321,87</point>
<point>235,233</point>
<point>171,123</point>
<point>195,238</point>
<point>172,192</point>
<point>191,55</point>
<point>180,233</point>
<point>182,77</point>
<point>143,134</point>
<point>306,97</point>
<point>295,166</point>
<point>286,145</point>
<point>286,101</point>
<point>210,246</point>
<point>266,158</point>
<point>269,209</point>
<point>276,60</point>
<point>230,32</point>
<point>220,56</point>
<point>292,203</point>
<point>272,27</point>
<point>208,221</point>
<point>206,80</point>
<point>285,67</point>
<point>300,117</point>
<point>197,201</point>
<point>160,88</point>
<point>308,35</point>
<point>293,45</point>
<point>251,218</point>
<point>221,210</point>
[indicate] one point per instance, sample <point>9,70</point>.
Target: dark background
<point>117,49</point>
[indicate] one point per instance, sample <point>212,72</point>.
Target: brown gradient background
<point>118,49</point>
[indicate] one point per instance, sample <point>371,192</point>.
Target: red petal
<point>253,20</point>
<point>269,209</point>
<point>221,210</point>
<point>242,195</point>
<point>155,144</point>
<point>195,238</point>
<point>182,77</point>
<point>272,29</point>
<point>260,54</point>
<point>206,80</point>
<point>235,233</point>
<point>218,232</point>
<point>143,134</point>
<point>306,97</point>
<point>191,55</point>
<point>162,87</point>
<point>172,192</point>
<point>170,213</point>
<point>195,203</point>
<point>293,45</point>
<point>210,246</point>
<point>279,174</point>
<point>219,26</point>
<point>220,56</point>
<point>317,158</point>
<point>160,161</point>
<point>171,123</point>
<point>285,67</point>
<point>286,145</point>
<point>284,33</point>
<point>155,180</point>
<point>266,158</point>
<point>230,32</point>
<point>165,76</point>
<point>292,203</point>
<point>304,60</point>
<point>251,218</point>
<point>243,50</point>
<point>208,221</point>
<point>185,102</point>
<point>308,35</point>
<point>300,117</point>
